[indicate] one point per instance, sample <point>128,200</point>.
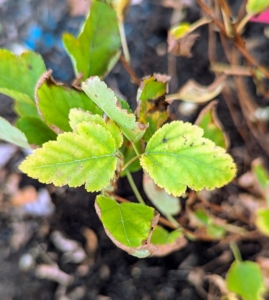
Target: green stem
<point>135,149</point>
<point>124,42</point>
<point>129,162</point>
<point>236,252</point>
<point>134,188</point>
<point>173,220</point>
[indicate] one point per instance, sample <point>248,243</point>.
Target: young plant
<point>87,135</point>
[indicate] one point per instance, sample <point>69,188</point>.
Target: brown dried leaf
<point>182,46</point>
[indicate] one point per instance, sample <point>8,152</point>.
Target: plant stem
<point>236,252</point>
<point>135,149</point>
<point>172,220</point>
<point>134,188</point>
<point>124,42</point>
<point>243,23</point>
<point>129,162</point>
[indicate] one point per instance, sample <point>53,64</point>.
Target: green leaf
<point>213,130</point>
<point>255,7</point>
<point>245,279</point>
<point>78,116</point>
<point>167,242</point>
<point>128,153</point>
<point>36,131</point>
<point>105,98</point>
<point>212,230</point>
<point>128,225</point>
<point>96,50</point>
<point>55,101</point>
<point>261,176</point>
<point>152,106</point>
<point>262,220</point>
<point>87,156</point>
<point>165,203</point>
<point>18,78</point>
<point>12,135</point>
<point>178,156</point>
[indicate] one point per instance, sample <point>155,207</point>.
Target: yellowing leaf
<point>213,130</point>
<point>128,225</point>
<point>152,106</point>
<point>12,134</point>
<point>178,156</point>
<point>78,116</point>
<point>56,99</point>
<point>120,7</point>
<point>194,92</point>
<point>87,156</point>
<point>105,98</point>
<point>96,50</point>
<point>255,7</point>
<point>262,220</point>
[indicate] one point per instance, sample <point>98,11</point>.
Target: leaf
<point>12,135</point>
<point>177,156</point>
<point>152,107</point>
<point>96,50</point>
<point>213,130</point>
<point>87,156</point>
<point>255,7</point>
<point>128,225</point>
<point>56,99</point>
<point>262,220</point>
<point>245,279</point>
<point>181,39</point>
<point>261,176</point>
<point>78,116</point>
<point>18,78</point>
<point>128,153</point>
<point>167,242</point>
<point>165,203</point>
<point>105,98</point>
<point>194,92</point>
<point>35,130</point>
<point>204,220</point>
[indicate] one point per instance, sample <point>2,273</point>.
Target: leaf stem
<point>134,188</point>
<point>124,42</point>
<point>135,148</point>
<point>129,162</point>
<point>172,220</point>
<point>236,252</point>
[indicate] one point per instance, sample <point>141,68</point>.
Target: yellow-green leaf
<point>178,156</point>
<point>105,98</point>
<point>87,156</point>
<point>255,7</point>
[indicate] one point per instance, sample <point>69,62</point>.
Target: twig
<point>130,71</point>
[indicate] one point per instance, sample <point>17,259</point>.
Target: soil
<point>108,272</point>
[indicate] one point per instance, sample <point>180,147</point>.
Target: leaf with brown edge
<point>128,225</point>
<point>54,101</point>
<point>197,93</point>
<point>167,242</point>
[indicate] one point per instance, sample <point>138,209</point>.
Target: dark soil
<point>110,272</point>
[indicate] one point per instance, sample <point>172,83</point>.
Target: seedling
<point>86,135</point>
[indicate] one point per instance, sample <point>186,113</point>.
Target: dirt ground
<point>87,265</point>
